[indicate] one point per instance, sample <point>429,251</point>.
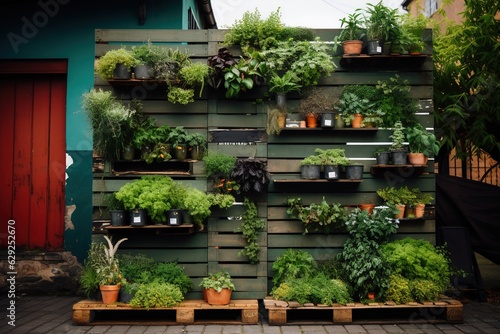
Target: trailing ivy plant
<point>250,227</point>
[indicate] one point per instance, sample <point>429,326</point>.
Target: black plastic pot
<point>174,217</point>
<point>383,158</point>
<point>399,157</point>
<point>354,172</point>
<point>143,71</point>
<point>328,120</point>
<point>196,152</point>
<point>118,217</point>
<point>332,172</point>
<point>138,217</point>
<point>121,72</point>
<point>310,172</point>
<point>374,48</point>
<point>180,152</point>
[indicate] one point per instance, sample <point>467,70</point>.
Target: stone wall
<point>38,271</point>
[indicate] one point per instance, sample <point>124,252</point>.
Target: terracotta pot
<point>311,121</point>
<point>417,158</point>
<point>282,120</point>
<point>109,293</point>
<point>367,207</point>
<point>401,213</point>
<point>218,298</point>
<point>419,210</point>
<point>371,295</point>
<point>352,47</point>
<point>356,122</point>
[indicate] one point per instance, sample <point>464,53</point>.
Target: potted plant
<point>281,85</point>
<point>421,143</point>
<point>179,137</point>
<point>218,168</point>
<point>117,212</point>
<point>353,33</point>
<point>382,25</point>
<point>241,76</point>
<point>399,197</point>
<point>332,160</point>
<point>110,122</point>
<point>147,56</point>
<point>116,64</point>
<point>251,175</point>
<point>218,288</point>
<point>310,167</point>
<point>197,145</point>
<point>354,171</point>
<point>382,155</point>
<point>354,103</point>
<point>316,103</point>
<point>219,63</point>
<point>397,148</point>
<point>108,272</point>
<point>418,205</point>
<point>373,119</point>
<point>361,256</point>
<point>322,217</point>
<point>414,27</point>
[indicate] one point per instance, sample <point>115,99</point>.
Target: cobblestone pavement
<point>53,315</point>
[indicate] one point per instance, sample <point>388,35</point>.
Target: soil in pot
<point>331,172</point>
<point>218,298</point>
<point>310,172</point>
<point>118,217</point>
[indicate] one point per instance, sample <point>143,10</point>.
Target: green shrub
<point>155,294</point>
<point>424,290</point>
<point>399,290</point>
<point>293,263</point>
<point>172,273</point>
<point>418,259</point>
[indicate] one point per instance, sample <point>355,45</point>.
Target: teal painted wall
<point>64,29</point>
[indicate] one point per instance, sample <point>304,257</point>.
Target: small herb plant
<point>242,76</point>
<point>395,196</point>
<point>250,228</point>
<point>397,137</point>
<point>107,63</point>
<point>422,141</point>
<point>218,281</point>
<point>321,217</point>
<point>286,83</point>
<point>332,156</point>
<point>293,263</point>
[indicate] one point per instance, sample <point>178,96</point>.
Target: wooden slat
<point>153,35</point>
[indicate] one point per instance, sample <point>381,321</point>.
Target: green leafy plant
<point>219,63</point>
<point>172,273</point>
<point>242,76</point>
<point>312,160</point>
<point>156,294</point>
<point>356,99</point>
<point>180,95</point>
<point>401,195</point>
<point>197,203</point>
<point>422,141</point>
<point>195,75</point>
<point>382,22</point>
<point>107,63</point>
<point>218,163</point>
<point>322,217</point>
<point>107,268</point>
<point>416,259</point>
<point>361,257</point>
<point>293,263</point>
<point>223,201</point>
<point>253,32</point>
<point>353,27</point>
<point>111,123</point>
<point>332,156</point>
<point>89,281</point>
<point>132,266</point>
<point>396,102</point>
<point>251,226</point>
<point>284,84</point>
<point>307,61</point>
<point>399,290</point>
<point>398,137</point>
<point>218,281</point>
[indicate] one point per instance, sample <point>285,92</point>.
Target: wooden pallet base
<point>188,312</point>
<point>292,313</point>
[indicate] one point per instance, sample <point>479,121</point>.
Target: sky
<point>301,13</point>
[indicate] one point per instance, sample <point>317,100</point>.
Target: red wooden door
<point>32,170</point>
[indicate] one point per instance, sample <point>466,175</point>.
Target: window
<point>431,7</point>
<point>192,24</point>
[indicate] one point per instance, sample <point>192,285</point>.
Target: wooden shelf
<point>329,129</point>
<point>157,229</point>
<point>140,167</point>
<point>317,181</point>
<point>383,61</point>
<point>135,82</point>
